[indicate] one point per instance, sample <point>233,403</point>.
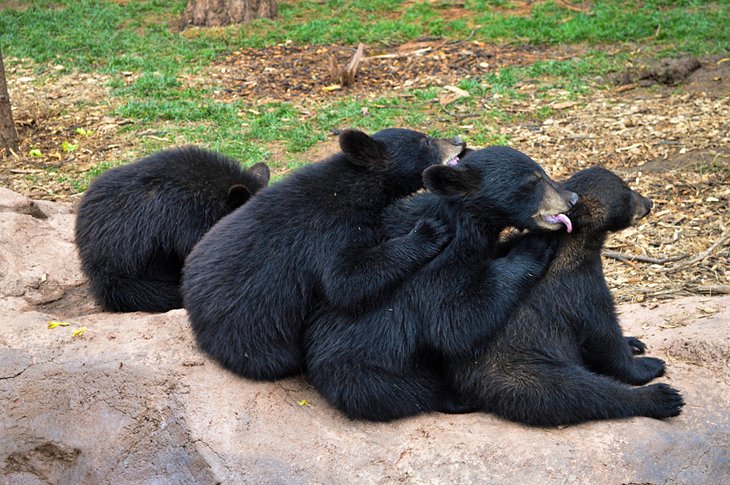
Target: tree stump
<point>215,13</point>
<point>8,135</point>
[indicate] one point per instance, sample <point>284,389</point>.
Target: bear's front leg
<point>361,273</point>
<point>608,352</point>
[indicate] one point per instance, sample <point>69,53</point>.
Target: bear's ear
<point>261,171</point>
<point>362,149</point>
<point>451,180</point>
<point>238,195</point>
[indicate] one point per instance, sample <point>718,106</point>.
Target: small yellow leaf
<point>69,147</point>
<point>54,324</point>
<point>84,132</point>
<point>79,332</point>
<point>331,87</point>
<point>303,402</point>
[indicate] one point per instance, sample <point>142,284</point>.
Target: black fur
<point>137,223</point>
<point>251,283</point>
<point>562,358</point>
<point>383,363</point>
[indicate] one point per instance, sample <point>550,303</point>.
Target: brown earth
<point>301,73</point>
<point>131,399</point>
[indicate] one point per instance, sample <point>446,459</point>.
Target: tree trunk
<point>8,135</point>
<point>214,13</point>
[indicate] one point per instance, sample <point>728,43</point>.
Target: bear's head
<point>250,181</point>
<point>506,187</point>
<point>606,202</point>
<point>399,154</point>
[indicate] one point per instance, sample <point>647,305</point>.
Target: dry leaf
<point>453,93</point>
<point>564,105</point>
<point>708,310</point>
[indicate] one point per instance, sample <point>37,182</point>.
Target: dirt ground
<point>665,130</point>
<point>92,397</point>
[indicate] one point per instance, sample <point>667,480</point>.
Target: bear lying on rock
<point>561,358</point>
<point>137,223</point>
<point>250,285</point>
<point>384,362</point>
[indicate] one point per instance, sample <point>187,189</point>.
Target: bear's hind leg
<point>552,394</point>
<point>229,346</point>
<point>373,393</point>
<point>136,294</point>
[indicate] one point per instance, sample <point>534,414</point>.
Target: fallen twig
<point>465,39</point>
<point>643,259</point>
<point>626,87</point>
<point>586,9</point>
<point>714,289</point>
<point>396,56</point>
<point>458,116</point>
<point>725,237</point>
<point>25,170</point>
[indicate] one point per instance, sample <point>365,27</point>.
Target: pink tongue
<point>453,161</point>
<point>566,222</point>
<point>563,219</point>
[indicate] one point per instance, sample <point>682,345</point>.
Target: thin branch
<point>467,38</point>
<point>640,258</point>
<point>725,237</point>
<point>714,289</point>
<point>586,9</point>
<point>396,56</point>
<point>458,116</point>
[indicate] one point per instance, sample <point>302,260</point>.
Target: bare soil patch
<point>133,400</point>
<point>298,73</point>
<point>68,302</point>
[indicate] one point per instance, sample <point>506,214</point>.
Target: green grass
<point>695,26</point>
<point>102,35</point>
<point>137,36</point>
<point>140,39</point>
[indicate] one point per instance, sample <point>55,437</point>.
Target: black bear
<point>383,363</point>
<point>251,283</point>
<point>561,358</point>
<point>137,223</point>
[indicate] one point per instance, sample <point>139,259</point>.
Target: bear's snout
<point>642,206</point>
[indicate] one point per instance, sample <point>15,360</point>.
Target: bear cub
<point>252,282</point>
<point>562,358</point>
<point>383,363</point>
<point>137,223</point>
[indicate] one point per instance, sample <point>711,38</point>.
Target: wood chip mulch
<point>293,72</point>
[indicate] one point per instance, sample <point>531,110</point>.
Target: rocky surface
<point>132,400</point>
